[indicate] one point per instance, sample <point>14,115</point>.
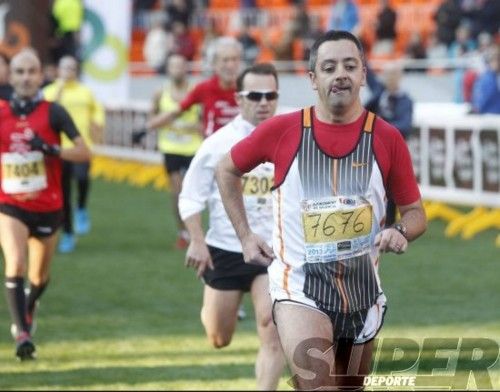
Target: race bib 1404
<point>23,173</point>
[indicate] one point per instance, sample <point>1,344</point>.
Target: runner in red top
<point>335,164</point>
<point>277,140</point>
<point>215,95</point>
<point>30,190</point>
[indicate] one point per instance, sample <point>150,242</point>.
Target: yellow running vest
<point>181,137</point>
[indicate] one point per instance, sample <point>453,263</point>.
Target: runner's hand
<point>198,257</point>
<point>391,240</point>
<point>138,135</point>
<point>256,251</point>
<point>38,144</point>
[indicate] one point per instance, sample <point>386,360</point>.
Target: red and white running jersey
<point>328,204</point>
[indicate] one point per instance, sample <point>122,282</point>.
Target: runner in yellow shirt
<point>88,116</point>
<point>179,140</point>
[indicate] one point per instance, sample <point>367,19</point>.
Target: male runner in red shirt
<point>215,95</point>
<point>335,165</point>
<point>30,190</point>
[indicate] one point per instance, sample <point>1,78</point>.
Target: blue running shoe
<point>66,243</point>
<point>82,221</point>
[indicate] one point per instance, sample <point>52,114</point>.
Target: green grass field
<point>122,312</point>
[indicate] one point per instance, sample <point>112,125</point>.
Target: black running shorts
<point>230,271</point>
<point>40,224</point>
<point>176,163</point>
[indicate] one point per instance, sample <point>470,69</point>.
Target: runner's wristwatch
<point>402,229</point>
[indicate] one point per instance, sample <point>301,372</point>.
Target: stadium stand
<point>269,17</point>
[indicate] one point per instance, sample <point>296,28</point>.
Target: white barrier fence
<point>456,156</point>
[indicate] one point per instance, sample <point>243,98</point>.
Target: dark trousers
<point>80,172</point>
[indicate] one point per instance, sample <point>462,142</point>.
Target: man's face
<point>25,75</point>
<point>67,69</point>
<point>227,63</point>
<point>255,107</point>
<point>177,68</point>
<point>339,74</point>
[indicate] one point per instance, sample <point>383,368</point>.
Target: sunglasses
<point>257,96</point>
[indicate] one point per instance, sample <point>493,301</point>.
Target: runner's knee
<point>216,337</point>
<point>269,335</point>
<point>38,279</point>
<point>266,322</point>
<point>15,268</point>
<point>219,340</point>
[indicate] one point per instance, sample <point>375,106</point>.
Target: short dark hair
<point>333,35</point>
<point>258,69</point>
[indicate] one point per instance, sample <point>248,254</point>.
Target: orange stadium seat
<point>368,16</point>
<point>272,3</point>
<point>271,35</point>
<point>317,3</point>
<point>224,4</point>
<point>137,42</point>
<point>413,16</point>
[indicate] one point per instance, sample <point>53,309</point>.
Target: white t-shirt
<point>200,189</point>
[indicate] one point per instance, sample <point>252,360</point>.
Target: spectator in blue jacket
<point>486,90</point>
<point>388,100</point>
<point>393,105</point>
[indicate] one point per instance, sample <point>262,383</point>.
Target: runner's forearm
<point>414,219</point>
<point>195,228</point>
<point>162,119</point>
<point>78,153</point>
<point>229,181</point>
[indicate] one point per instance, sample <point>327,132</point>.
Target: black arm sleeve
<point>61,121</point>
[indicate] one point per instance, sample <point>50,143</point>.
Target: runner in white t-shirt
<point>217,256</point>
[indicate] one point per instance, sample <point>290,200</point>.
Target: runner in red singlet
<point>215,95</point>
<point>30,190</point>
